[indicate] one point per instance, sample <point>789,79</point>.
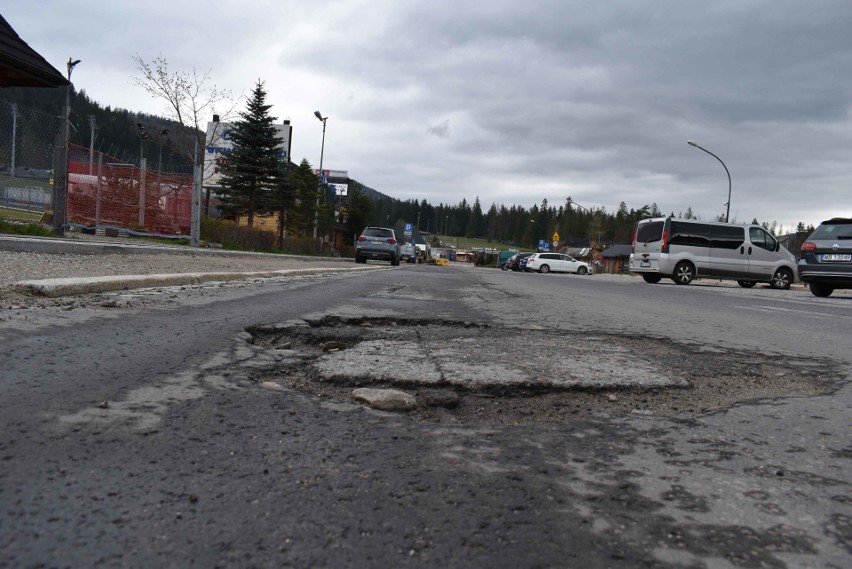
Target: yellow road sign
<point>555,236</point>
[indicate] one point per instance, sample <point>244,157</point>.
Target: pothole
<point>470,372</point>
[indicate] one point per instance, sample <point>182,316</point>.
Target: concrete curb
<point>75,247</point>
<point>71,286</point>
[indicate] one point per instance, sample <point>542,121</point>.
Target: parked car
<point>377,243</point>
<point>557,263</point>
<point>826,262</point>
<point>682,250</point>
<point>514,262</point>
<point>408,253</point>
<point>504,256</point>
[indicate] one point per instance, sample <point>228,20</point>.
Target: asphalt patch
<point>524,376</point>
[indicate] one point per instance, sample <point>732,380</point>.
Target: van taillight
<point>808,246</point>
<point>664,241</point>
<point>635,236</point>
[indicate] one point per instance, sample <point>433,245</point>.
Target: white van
<point>683,249</point>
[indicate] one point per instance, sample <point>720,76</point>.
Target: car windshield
<point>833,231</point>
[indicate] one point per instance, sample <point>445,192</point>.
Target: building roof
<point>577,251</point>
<point>21,65</point>
<point>617,251</point>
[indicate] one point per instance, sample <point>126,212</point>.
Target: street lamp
<point>60,210</point>
<point>322,151</point>
<point>160,136</point>
<point>728,211</point>
<point>143,135</point>
<point>572,202</point>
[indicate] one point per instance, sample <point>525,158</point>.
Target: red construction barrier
<point>103,193</point>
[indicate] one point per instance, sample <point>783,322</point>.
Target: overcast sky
<point>513,101</point>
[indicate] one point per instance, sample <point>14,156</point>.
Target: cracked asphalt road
<point>151,429</point>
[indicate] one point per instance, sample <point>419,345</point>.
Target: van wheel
<point>684,273</point>
<point>582,271</point>
<point>652,278</point>
<point>544,269</point>
<point>820,290</point>
<point>747,284</point>
<point>782,279</point>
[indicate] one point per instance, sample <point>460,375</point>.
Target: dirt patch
<point>530,376</point>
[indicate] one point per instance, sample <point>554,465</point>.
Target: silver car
<point>826,262</point>
<point>377,243</point>
<point>683,249</point>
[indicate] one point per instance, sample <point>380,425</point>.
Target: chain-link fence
<point>29,142</point>
<point>104,193</point>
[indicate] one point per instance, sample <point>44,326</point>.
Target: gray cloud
<point>441,130</point>
<point>546,100</point>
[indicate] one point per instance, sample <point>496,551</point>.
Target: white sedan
<point>557,263</point>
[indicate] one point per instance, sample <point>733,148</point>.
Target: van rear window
<point>649,232</point>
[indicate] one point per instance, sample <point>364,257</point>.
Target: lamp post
<point>728,205</point>
<point>160,135</point>
<point>60,213</point>
<point>572,202</point>
<point>143,135</point>
<point>591,213</point>
<point>322,119</point>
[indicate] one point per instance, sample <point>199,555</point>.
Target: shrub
<point>25,229</point>
<point>233,236</point>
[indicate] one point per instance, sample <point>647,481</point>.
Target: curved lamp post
<point>572,202</point>
<point>728,211</point>
<point>60,205</point>
<point>322,151</point>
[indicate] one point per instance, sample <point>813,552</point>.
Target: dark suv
<point>826,262</point>
<point>377,243</point>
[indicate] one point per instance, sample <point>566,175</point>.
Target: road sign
<point>555,238</point>
<point>408,228</point>
<point>339,189</point>
<point>543,245</point>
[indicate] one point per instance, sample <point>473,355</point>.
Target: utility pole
<point>92,127</point>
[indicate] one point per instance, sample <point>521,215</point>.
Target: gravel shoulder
<point>18,266</point>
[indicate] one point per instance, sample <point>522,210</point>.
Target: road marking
<point>811,314</point>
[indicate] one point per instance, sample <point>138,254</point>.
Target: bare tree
<point>191,99</point>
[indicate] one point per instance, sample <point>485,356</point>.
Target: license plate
<point>837,257</point>
<point>645,264</point>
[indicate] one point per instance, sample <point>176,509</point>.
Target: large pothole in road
<point>511,375</point>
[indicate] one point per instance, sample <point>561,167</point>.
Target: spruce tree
<point>306,186</point>
<point>252,169</point>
